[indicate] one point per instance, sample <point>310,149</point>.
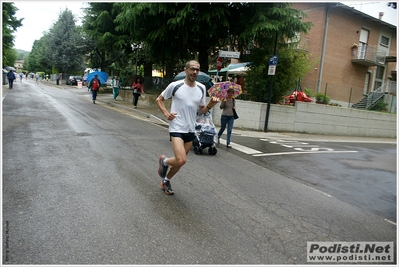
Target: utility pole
<point>272,71</point>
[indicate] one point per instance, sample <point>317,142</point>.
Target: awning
<point>231,67</point>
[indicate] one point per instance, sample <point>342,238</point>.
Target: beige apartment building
<point>354,54</point>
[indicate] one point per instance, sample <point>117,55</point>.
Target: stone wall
<point>304,117</point>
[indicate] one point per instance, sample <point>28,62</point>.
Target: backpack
<point>94,85</point>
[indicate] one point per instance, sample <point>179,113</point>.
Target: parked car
<point>73,80</point>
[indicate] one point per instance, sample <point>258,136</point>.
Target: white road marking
<point>391,222</point>
<point>302,152</point>
<point>314,149</point>
<point>243,149</point>
<point>301,147</point>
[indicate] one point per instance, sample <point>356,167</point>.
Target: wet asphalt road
<point>80,187</point>
<point>360,173</point>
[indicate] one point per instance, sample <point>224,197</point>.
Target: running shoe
<point>167,188</point>
<point>162,169</point>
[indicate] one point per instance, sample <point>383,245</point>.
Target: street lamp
<point>136,47</point>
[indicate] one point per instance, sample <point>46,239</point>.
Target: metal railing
<point>376,95</point>
<point>369,53</point>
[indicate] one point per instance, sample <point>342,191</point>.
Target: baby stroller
<point>205,132</point>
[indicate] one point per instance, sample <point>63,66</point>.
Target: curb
<point>146,114</point>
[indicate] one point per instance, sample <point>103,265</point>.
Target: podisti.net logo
<point>367,252</point>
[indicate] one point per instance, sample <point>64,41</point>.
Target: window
<point>380,73</point>
<point>379,77</point>
<point>384,41</point>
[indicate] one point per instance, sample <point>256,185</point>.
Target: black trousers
<point>10,83</point>
<point>94,94</point>
<point>135,99</point>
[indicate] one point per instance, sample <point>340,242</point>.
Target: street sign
<point>229,54</point>
<point>273,60</point>
<point>272,70</point>
<point>272,65</point>
<point>219,63</point>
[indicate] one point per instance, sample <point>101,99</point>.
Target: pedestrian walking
<point>115,86</point>
<point>21,75</point>
<point>188,97</point>
<point>138,89</point>
<point>11,77</point>
<point>94,85</point>
<point>227,117</point>
<point>37,78</point>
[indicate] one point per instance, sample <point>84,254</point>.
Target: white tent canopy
<point>238,71</point>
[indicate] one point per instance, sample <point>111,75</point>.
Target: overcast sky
<point>39,16</point>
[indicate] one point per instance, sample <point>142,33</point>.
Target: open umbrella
<point>219,90</point>
<point>202,77</point>
<point>102,76</point>
<point>133,78</point>
<point>10,68</point>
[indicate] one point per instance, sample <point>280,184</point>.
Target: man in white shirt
<point>188,96</point>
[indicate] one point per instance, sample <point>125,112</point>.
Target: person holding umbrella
<point>188,97</point>
<point>227,118</point>
<point>11,77</point>
<point>94,85</point>
<point>137,90</point>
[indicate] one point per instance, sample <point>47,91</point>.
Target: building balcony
<point>368,56</point>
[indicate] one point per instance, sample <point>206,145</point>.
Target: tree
<point>197,30</point>
<point>172,33</point>
<point>267,21</point>
<point>10,25</point>
<point>65,43</point>
<point>106,45</point>
<point>38,59</point>
<point>292,65</point>
<point>60,49</point>
<point>180,30</point>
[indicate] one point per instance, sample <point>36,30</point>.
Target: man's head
<point>192,70</point>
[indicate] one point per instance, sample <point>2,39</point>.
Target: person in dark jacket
<point>11,77</point>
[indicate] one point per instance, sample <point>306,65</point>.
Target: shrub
<point>320,97</point>
<point>380,105</point>
<point>308,92</point>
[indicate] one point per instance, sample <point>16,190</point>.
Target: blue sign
<point>273,60</point>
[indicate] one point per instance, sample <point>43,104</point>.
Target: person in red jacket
<point>94,85</point>
<point>138,89</point>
